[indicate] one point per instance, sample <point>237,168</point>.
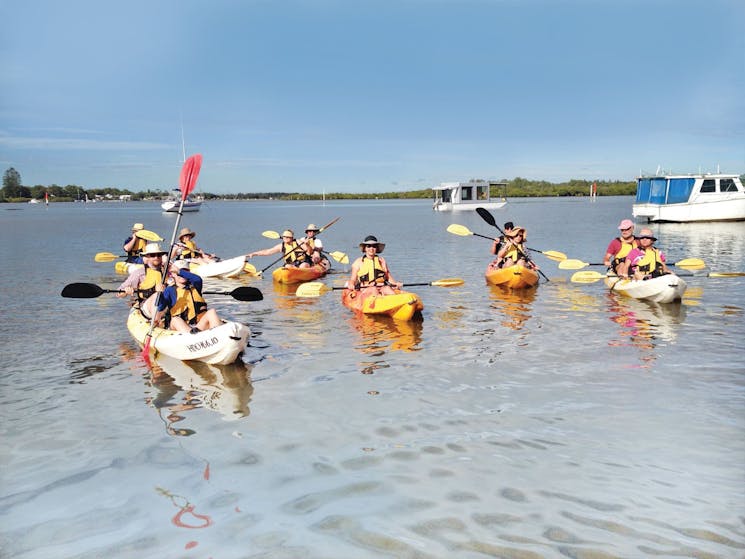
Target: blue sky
<point>368,96</point>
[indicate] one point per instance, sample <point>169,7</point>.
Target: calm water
<point>563,423</point>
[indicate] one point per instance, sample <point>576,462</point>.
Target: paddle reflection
<point>515,305</point>
<point>381,334</point>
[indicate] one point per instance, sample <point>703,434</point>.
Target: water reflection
<point>718,243</point>
<point>515,305</point>
<point>380,334</point>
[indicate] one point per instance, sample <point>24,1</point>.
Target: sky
<point>368,96</point>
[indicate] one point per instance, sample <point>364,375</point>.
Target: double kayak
<point>218,346</point>
<point>514,277</point>
<point>300,275</point>
<point>662,289</point>
<point>403,305</point>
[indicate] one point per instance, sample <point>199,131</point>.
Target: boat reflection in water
<point>515,305</point>
<point>226,389</point>
<point>645,324</point>
<point>380,334</point>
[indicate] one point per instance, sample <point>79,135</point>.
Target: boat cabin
<point>456,196</point>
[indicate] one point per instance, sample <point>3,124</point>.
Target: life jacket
<point>152,278</point>
<point>293,252</point>
<point>626,247</point>
<point>513,253</point>
<point>650,263</point>
<point>189,305</point>
<point>189,250</point>
<point>371,272</point>
<point>136,249</point>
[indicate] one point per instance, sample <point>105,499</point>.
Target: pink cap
<point>625,224</point>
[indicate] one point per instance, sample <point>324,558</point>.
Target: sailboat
<point>174,199</point>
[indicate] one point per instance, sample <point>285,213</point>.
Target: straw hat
<point>372,240</point>
<point>288,233</point>
<point>138,227</point>
<point>311,227</point>
<point>515,232</point>
<point>186,231</point>
<point>151,249</point>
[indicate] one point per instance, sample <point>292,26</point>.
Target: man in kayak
<point>513,251</point>
<point>644,262</point>
<point>182,304</point>
<point>146,281</point>
<point>133,245</point>
<point>312,245</point>
<point>498,243</point>
<point>294,254</point>
<point>186,248</point>
<point>620,247</point>
<point>370,271</point>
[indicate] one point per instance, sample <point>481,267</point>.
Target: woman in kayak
<point>146,281</point>
<point>295,256</point>
<point>186,248</point>
<point>513,251</point>
<point>134,245</point>
<point>370,271</point>
<point>644,262</point>
<point>183,302</point>
<point>619,248</point>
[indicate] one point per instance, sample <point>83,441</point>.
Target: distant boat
<point>686,198</point>
<point>174,202</point>
<point>460,196</point>
<point>33,201</point>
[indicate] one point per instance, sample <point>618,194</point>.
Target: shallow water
<point>566,422</point>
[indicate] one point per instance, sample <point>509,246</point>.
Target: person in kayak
<point>133,245</point>
<point>186,248</point>
<point>370,271</point>
<point>644,262</point>
<point>513,251</point>
<point>182,305</point>
<point>145,282</point>
<point>497,244</point>
<point>620,247</point>
<point>312,245</point>
<point>295,256</point>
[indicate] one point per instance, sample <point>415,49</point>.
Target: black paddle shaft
<point>91,291</point>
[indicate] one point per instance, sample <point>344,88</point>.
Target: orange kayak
<point>514,277</point>
<point>300,275</point>
<point>403,305</point>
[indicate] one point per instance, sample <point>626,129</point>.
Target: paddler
<point>187,249</point>
<point>133,245</point>
<point>620,247</point>
<point>370,271</point>
<point>513,251</point>
<point>499,243</point>
<point>312,245</point>
<point>644,262</point>
<point>182,304</point>
<point>146,281</point>
<point>294,255</point>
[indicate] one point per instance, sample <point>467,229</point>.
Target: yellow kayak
<point>403,305</point>
<point>514,277</point>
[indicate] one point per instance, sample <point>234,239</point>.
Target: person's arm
<point>132,282</point>
<point>610,252</point>
<point>194,279</point>
<point>495,246</point>
<point>266,252</point>
<point>129,243</point>
<point>389,277</point>
<point>352,281</point>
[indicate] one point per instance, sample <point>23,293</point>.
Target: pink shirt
<point>636,254</point>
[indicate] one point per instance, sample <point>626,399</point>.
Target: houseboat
<point>686,198</point>
<point>461,196</point>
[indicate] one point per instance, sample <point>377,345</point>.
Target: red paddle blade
<point>146,351</point>
<point>189,174</point>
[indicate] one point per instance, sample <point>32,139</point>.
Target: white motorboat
<point>461,196</point>
<point>174,202</point>
<point>687,198</point>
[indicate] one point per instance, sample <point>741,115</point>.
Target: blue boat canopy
<point>659,190</point>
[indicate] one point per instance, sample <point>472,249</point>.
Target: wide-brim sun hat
<point>288,233</point>
<point>372,240</point>
<point>626,224</point>
<point>181,264</point>
<point>515,232</point>
<point>152,249</point>
<point>186,231</point>
<point>311,227</point>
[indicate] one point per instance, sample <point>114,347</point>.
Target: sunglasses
<point>645,237</point>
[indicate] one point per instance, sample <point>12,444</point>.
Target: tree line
<point>14,191</point>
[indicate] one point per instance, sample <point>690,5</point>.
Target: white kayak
<point>217,346</point>
<point>224,268</point>
<point>662,289</point>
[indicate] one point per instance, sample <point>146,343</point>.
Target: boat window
<point>466,193</point>
<point>445,195</point>
<point>643,187</point>
<point>680,190</point>
<point>482,192</point>
<point>710,185</point>
<point>727,185</point>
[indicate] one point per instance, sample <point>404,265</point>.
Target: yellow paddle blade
<point>461,230</point>
<point>554,255</point>
<point>148,236</point>
<point>691,264</point>
<point>587,276</point>
<point>105,257</point>
<point>448,282</point>
<point>340,257</point>
<point>312,289</point>
<point>270,234</point>
<point>572,264</point>
<point>726,274</point>
<point>249,268</point>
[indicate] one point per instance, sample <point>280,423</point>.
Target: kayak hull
<point>300,275</point>
<point>403,305</point>
<point>662,289</point>
<point>224,268</point>
<point>217,346</point>
<point>514,277</point>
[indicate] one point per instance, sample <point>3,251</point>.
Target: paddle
<point>142,234</point>
<point>187,182</point>
<point>321,230</point>
<point>590,276</point>
<point>463,231</point>
<point>316,288</point>
<point>687,263</point>
<point>340,257</point>
<point>489,218</point>
<point>91,291</point>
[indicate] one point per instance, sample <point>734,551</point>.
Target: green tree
<point>12,187</point>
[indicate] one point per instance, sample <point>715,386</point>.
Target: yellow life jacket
<point>137,247</point>
<point>371,272</point>
<point>294,254</point>
<point>626,247</point>
<point>152,278</point>
<point>189,305</point>
<point>514,253</point>
<point>650,263</point>
<point>190,250</point>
